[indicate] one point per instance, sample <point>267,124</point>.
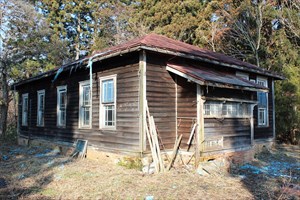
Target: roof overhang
<point>208,77</point>
<point>137,46</point>
<point>260,71</point>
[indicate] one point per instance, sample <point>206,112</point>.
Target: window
<point>108,102</point>
<point>262,106</point>
<point>40,107</point>
<point>226,109</point>
<point>212,108</point>
<point>84,105</point>
<point>242,75</point>
<point>25,109</point>
<point>61,106</point>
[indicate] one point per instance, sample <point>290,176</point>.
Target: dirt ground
<point>41,173</point>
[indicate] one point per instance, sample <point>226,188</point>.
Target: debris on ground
<point>39,173</point>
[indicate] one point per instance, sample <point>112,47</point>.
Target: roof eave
<point>166,51</point>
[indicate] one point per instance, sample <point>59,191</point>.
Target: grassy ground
<point>39,173</point>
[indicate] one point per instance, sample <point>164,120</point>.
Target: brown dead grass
<point>58,177</point>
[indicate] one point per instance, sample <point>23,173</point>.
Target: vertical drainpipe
<point>142,100</point>
<point>90,65</point>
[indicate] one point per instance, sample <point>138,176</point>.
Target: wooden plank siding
<point>160,94</point>
<point>126,135</point>
<point>235,131</point>
<point>186,108</point>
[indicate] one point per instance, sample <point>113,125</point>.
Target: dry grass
<point>32,175</point>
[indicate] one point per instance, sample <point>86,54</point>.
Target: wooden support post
<point>142,100</point>
<point>273,104</point>
<point>252,122</point>
<point>199,137</point>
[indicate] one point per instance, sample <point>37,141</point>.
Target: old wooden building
<point>229,103</point>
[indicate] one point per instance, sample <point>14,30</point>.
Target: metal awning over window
<point>206,76</point>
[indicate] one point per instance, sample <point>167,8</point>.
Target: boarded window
<point>40,107</point>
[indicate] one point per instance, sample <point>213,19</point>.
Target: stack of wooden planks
<point>152,137</point>
<point>153,142</point>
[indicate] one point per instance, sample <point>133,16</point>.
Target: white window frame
<point>24,111</point>
<point>263,121</point>
<point>61,89</point>
<point>82,107</point>
<point>242,75</point>
<point>102,105</point>
<point>40,112</point>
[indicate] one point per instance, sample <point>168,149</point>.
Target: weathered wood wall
<point>161,98</point>
<point>186,108</point>
<point>126,135</point>
<point>234,131</point>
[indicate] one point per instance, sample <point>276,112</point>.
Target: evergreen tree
<point>25,48</point>
<point>72,22</point>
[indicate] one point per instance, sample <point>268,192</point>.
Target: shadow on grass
<point>272,175</point>
<point>26,171</point>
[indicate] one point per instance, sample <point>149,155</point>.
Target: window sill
<point>85,128</point>
<point>40,126</point>
<point>108,128</point>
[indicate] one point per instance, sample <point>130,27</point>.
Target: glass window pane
<point>86,116</point>
<point>62,103</point>
<point>262,99</point>
<point>86,95</point>
<point>109,115</point>
<point>108,91</point>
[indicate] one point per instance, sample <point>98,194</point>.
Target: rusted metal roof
<point>210,77</point>
<point>166,45</point>
<point>162,44</point>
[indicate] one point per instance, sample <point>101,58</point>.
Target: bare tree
<point>246,29</point>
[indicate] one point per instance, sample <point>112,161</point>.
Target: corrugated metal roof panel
<point>206,76</point>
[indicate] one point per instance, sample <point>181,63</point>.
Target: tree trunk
<point>4,102</point>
